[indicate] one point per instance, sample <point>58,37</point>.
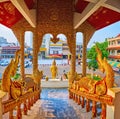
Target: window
<point>118,51</point>
<point>118,41</point>
<point>55,52</point>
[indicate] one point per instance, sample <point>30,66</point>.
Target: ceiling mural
<point>102,17</point>
<point>9,15</point>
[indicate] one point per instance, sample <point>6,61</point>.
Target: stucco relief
<point>55,17</point>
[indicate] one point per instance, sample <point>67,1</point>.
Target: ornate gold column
<point>72,46</point>
<point>87,31</point>
<point>22,69</point>
<point>84,55</point>
<point>73,56</point>
<point>68,58</point>
<point>78,56</point>
<point>35,51</point>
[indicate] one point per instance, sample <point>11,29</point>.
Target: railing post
<point>94,110</point>
<point>83,102</point>
<point>1,110</point>
<point>76,98</point>
<point>11,114</point>
<point>79,100</point>
<point>87,105</point>
<point>25,108</point>
<point>2,94</point>
<point>113,112</point>
<point>28,104</point>
<point>73,96</point>
<point>19,114</point>
<point>103,113</point>
<point>70,94</point>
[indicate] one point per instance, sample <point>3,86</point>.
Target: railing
<point>82,97</point>
<point>25,101</point>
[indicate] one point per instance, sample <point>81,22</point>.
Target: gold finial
<point>54,62</point>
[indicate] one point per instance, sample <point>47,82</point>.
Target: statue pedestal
<point>54,83</point>
<point>54,80</point>
<point>113,112</point>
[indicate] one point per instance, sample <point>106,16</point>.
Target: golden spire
<point>54,62</point>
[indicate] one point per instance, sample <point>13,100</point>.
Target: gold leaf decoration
<point>9,7</point>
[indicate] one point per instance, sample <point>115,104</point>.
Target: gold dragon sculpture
<point>8,85</point>
<point>16,88</point>
<point>9,72</point>
<point>97,87</point>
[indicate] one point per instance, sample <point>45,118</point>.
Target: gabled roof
<point>118,35</point>
<point>103,17</point>
<point>9,14</point>
<point>98,13</point>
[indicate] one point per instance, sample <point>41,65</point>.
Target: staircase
<point>34,112</point>
<point>55,104</point>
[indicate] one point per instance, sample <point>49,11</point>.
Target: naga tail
<point>99,58</point>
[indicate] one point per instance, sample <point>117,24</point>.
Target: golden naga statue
<point>97,87</point>
<point>15,63</point>
<point>9,85</point>
<point>9,72</point>
<point>54,69</point>
<point>18,87</point>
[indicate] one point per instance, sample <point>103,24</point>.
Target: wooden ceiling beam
<point>3,0</point>
<point>110,4</point>
<point>29,15</point>
<point>88,11</point>
<point>93,1</point>
<point>113,5</point>
<point>76,1</point>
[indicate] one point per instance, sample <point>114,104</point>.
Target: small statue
<point>46,78</point>
<point>54,69</point>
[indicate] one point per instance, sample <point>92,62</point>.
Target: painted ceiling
<point>9,15</point>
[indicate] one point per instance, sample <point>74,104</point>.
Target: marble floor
<point>55,104</point>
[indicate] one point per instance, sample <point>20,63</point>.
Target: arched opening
<point>79,47</point>
<point>44,49</point>
<point>50,51</point>
<point>8,46</point>
<point>28,52</point>
<point>28,45</point>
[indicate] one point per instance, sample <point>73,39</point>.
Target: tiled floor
<point>55,104</point>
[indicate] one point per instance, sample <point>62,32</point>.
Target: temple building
<point>60,49</point>
<point>114,48</point>
<point>8,51</point>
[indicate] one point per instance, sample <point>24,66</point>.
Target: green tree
<point>92,54</point>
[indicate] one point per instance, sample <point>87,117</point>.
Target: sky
<point>99,36</point>
<point>7,33</point>
<point>107,32</point>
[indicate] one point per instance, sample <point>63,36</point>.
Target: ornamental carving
<point>10,8</point>
<point>55,17</point>
<point>54,14</point>
<point>87,31</point>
